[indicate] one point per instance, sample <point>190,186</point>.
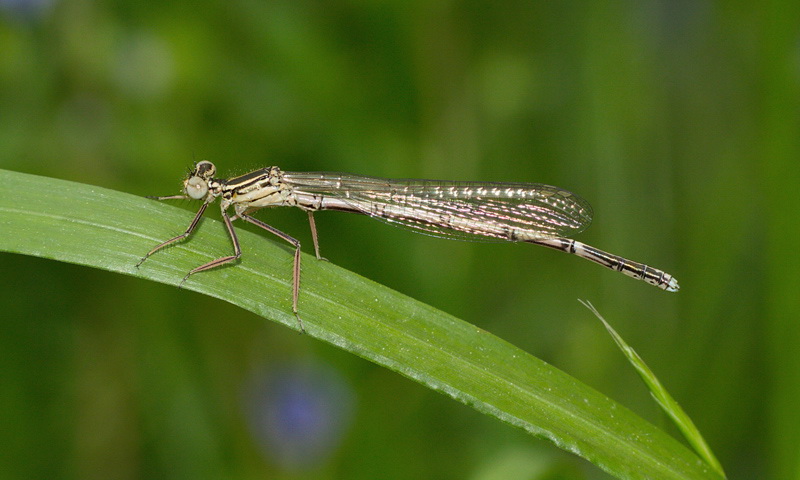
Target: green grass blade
<point>662,396</point>
<point>111,230</point>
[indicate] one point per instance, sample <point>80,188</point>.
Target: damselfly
<point>514,212</point>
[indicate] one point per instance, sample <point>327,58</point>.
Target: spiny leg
<point>237,251</point>
<point>180,237</point>
<point>313,226</point>
<point>296,266</point>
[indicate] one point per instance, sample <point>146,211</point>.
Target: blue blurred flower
<point>26,9</point>
<point>300,414</point>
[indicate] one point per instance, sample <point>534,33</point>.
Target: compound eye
<point>196,187</point>
<point>205,169</point>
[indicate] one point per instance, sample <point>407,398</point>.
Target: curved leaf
<point>110,230</point>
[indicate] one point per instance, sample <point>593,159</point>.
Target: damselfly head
<point>196,186</point>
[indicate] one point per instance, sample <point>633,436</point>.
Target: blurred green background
<point>677,120</point>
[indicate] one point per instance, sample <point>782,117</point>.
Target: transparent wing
<point>477,211</point>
